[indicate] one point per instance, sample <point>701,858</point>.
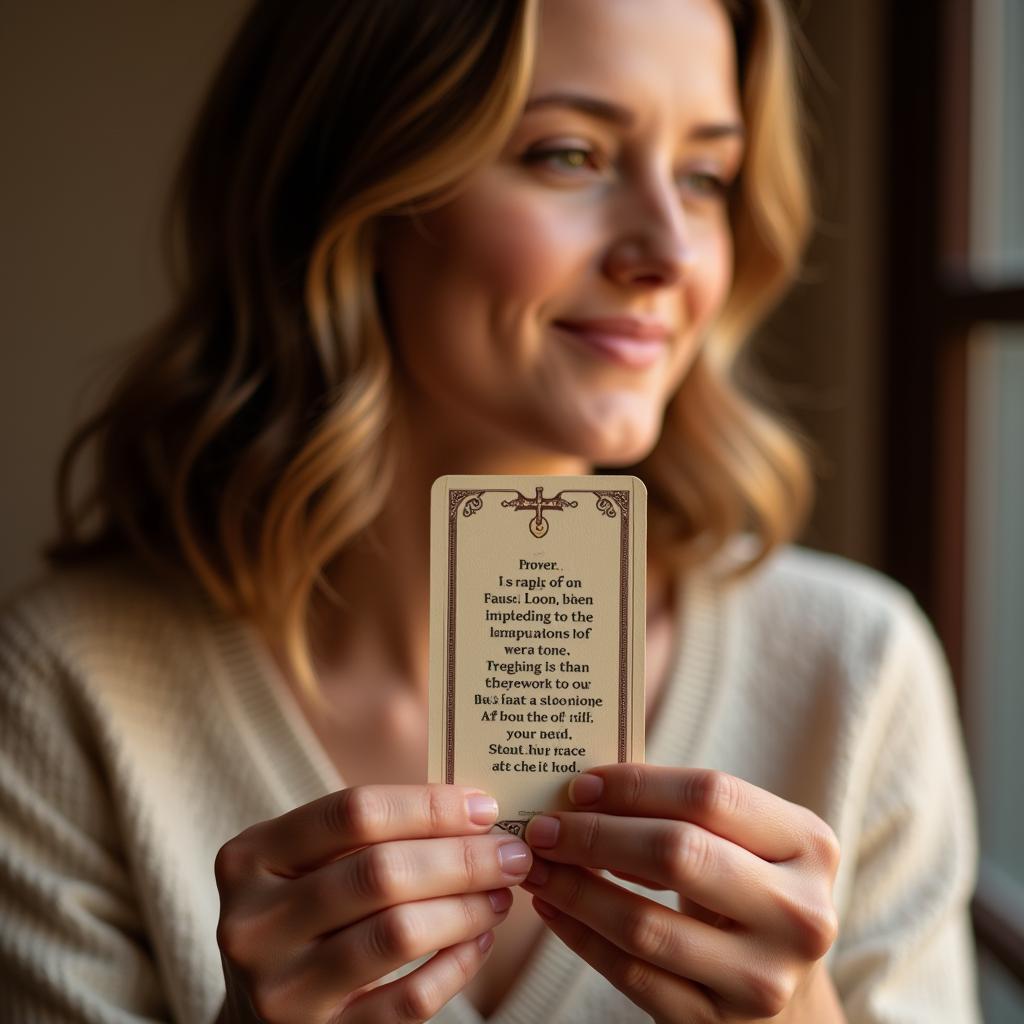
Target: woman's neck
<point>383,579</point>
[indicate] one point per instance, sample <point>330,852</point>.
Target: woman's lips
<point>635,344</point>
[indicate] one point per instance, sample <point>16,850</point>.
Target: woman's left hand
<point>754,872</point>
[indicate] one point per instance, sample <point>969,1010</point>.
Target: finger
<point>421,994</point>
<point>756,819</point>
<point>662,995</point>
<point>328,828</point>
<point>673,855</point>
<point>386,874</point>
<point>649,931</point>
<point>365,952</point>
<point>646,882</point>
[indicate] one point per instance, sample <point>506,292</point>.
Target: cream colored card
<point>537,630</point>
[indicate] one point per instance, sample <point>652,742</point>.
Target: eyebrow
<point>614,113</point>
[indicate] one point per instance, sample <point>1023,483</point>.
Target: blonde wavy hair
<point>250,440</point>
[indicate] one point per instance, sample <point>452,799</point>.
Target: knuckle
<point>633,976</point>
<point>438,810</point>
<point>590,835</point>
<point>398,933</point>
<point>378,873</point>
<point>633,785</point>
<point>268,1003</point>
<point>813,925</point>
<point>686,853</point>
<point>358,812</point>
<point>825,844</point>
<point>709,1013</point>
<point>818,929</point>
<point>768,992</point>
<point>712,793</point>
<point>473,866</point>
<point>232,864</point>
<point>418,1001</point>
<point>580,941</point>
<point>233,939</point>
<point>646,932</point>
<point>471,907</point>
<point>465,965</point>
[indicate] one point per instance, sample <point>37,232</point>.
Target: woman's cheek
<point>521,249</point>
<point>711,283</point>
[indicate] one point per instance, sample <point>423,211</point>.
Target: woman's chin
<point>624,447</point>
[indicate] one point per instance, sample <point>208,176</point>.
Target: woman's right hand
<point>319,904</point>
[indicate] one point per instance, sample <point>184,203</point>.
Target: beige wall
<point>94,101</point>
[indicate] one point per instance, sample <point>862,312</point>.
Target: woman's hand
<point>320,903</point>
<point>755,873</point>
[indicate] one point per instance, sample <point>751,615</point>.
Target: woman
<point>453,238</point>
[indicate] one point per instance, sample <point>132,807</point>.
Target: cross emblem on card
<point>538,504</point>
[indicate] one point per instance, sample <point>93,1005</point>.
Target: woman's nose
<point>652,245</point>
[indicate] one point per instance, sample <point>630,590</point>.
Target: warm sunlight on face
<point>556,305</point>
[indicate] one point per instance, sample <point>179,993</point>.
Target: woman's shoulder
<point>846,670</point>
<point>800,570</point>
<point>107,593</point>
<point>826,615</point>
<point>822,592</point>
<point>87,619</point>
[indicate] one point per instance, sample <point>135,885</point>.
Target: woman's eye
<point>698,184</point>
<point>565,158</point>
<point>705,183</point>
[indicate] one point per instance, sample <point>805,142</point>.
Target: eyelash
<point>719,186</point>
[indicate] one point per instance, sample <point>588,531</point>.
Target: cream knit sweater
<point>140,729</point>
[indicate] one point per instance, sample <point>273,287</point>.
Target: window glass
<point>994,579</point>
<point>997,150</point>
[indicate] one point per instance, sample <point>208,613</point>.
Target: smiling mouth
<point>620,349</point>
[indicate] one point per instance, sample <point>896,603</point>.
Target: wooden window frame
<point>931,305</point>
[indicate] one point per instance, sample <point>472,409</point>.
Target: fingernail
<point>539,873</point>
<point>485,941</point>
<point>542,831</point>
<point>501,900</point>
<point>585,789</point>
<point>514,857</point>
<point>483,809</point>
<point>544,909</point>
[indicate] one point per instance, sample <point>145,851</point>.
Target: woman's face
<point>555,306</point>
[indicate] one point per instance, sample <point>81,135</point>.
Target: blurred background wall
<point>95,102</point>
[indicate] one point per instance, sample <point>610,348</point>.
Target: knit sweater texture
<point>141,728</point>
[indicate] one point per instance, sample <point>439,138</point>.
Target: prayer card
<point>537,630</point>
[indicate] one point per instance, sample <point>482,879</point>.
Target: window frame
<point>931,307</point>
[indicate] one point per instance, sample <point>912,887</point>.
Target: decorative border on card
<point>539,505</point>
<point>514,826</point>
